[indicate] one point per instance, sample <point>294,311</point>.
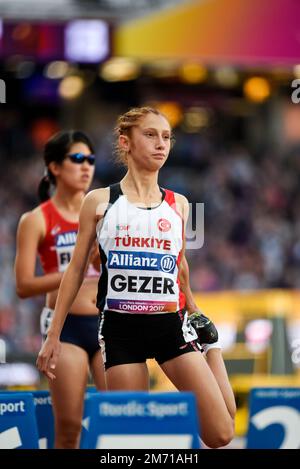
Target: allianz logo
<point>66,239</point>
<point>142,260</point>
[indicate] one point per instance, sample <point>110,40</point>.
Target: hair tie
<point>46,174</point>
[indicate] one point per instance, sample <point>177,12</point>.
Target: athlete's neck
<point>141,188</point>
<point>69,201</point>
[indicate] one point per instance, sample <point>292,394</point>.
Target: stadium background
<point>223,74</point>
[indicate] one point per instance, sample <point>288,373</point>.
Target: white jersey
<point>140,252</point>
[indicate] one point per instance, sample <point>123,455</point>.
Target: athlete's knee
<point>232,411</point>
<point>68,433</point>
<point>222,436</point>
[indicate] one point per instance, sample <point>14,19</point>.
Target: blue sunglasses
<point>79,158</point>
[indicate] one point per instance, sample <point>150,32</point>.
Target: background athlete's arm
<point>71,282</point>
<point>31,231</point>
<point>95,257</point>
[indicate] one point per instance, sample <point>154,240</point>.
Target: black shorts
<point>78,329</point>
<point>132,338</point>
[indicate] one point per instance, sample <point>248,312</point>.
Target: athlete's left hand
<point>48,357</point>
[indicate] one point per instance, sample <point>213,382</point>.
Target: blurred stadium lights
<point>195,119</point>
<point>25,69</point>
<point>162,68</point>
<point>192,73</point>
<point>71,87</point>
<point>226,76</point>
<point>257,89</point>
<point>258,333</point>
<point>171,109</point>
<point>87,41</point>
<point>64,9</point>
<point>56,70</point>
<point>120,69</point>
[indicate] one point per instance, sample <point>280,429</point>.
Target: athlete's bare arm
<point>95,257</point>
<point>184,274</point>
<point>31,231</point>
<point>92,210</point>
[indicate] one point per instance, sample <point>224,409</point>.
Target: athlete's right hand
<point>48,357</point>
<point>205,328</point>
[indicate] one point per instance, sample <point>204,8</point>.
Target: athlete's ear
<point>124,143</point>
<point>53,167</point>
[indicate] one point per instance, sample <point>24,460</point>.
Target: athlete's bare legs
<point>96,366</point>
<point>128,377</point>
<point>190,372</point>
<point>67,392</point>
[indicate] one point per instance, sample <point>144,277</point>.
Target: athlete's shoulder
<point>97,194</point>
<point>181,198</point>
<point>182,205</point>
<point>32,216</point>
<point>97,200</point>
<point>32,220</point>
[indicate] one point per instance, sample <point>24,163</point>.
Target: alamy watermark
<point>296,93</point>
<point>2,91</point>
<point>2,351</point>
<point>194,232</point>
<point>296,351</point>
<point>156,230</point>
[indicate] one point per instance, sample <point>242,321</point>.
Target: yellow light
<point>257,89</point>
<point>71,87</point>
<point>171,110</point>
<point>57,69</point>
<point>120,69</point>
<point>192,73</point>
<point>226,76</point>
<point>196,118</point>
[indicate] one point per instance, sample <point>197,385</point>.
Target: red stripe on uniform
<point>170,199</point>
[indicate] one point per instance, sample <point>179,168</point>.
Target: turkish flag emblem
<point>164,225</point>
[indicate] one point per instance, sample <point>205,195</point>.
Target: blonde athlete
<point>139,227</point>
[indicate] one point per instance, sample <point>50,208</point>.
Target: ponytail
<point>44,189</point>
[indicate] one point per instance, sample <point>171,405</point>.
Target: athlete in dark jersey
<point>139,227</point>
<point>50,231</point>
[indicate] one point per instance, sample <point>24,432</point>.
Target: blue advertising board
<point>44,417</point>
<point>134,420</point>
<point>18,427</point>
<point>274,418</point>
<point>85,424</point>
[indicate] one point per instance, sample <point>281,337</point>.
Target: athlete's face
<point>74,174</point>
<point>149,142</point>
